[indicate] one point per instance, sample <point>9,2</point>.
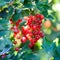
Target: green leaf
<point>4,27</point>
<point>16,15</point>
<point>53,35</point>
<point>11,12</point>
<point>4,2</point>
<point>4,33</point>
<point>5,45</point>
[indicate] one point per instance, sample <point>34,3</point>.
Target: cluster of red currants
<point>31,31</point>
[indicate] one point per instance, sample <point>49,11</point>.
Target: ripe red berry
<point>41,17</point>
<point>37,37</point>
<point>16,49</point>
<point>16,31</point>
<point>18,37</point>
<point>32,41</point>
<point>25,30</point>
<point>17,24</point>
<point>34,27</point>
<point>20,20</point>
<point>23,40</point>
<point>3,55</point>
<point>42,35</point>
<point>32,17</point>
<point>40,22</point>
<point>30,45</point>
<point>11,21</point>
<point>15,42</point>
<point>30,24</point>
<point>37,15</point>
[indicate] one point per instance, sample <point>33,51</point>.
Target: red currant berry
<point>15,42</point>
<point>18,37</point>
<point>34,27</point>
<point>37,37</point>
<point>20,20</point>
<point>23,40</point>
<point>37,15</point>
<point>42,35</point>
<point>30,45</point>
<point>16,49</point>
<point>11,22</point>
<point>16,31</point>
<point>32,41</point>
<point>3,55</point>
<point>41,17</point>
<point>31,25</point>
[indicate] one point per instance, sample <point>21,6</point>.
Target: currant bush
<point>31,31</point>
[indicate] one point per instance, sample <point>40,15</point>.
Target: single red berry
<point>35,32</point>
<point>20,20</point>
<point>16,31</point>
<point>15,27</point>
<point>15,42</point>
<point>3,55</point>
<point>37,37</point>
<point>29,22</point>
<point>30,45</point>
<point>31,25</point>
<point>40,22</point>
<point>31,34</point>
<point>32,41</point>
<point>37,15</point>
<point>38,26</point>
<point>25,30</point>
<point>28,36</point>
<point>23,40</point>
<point>18,37</point>
<point>41,17</point>
<point>16,49</point>
<point>34,27</point>
<point>42,35</point>
<point>32,17</point>
<point>36,21</point>
<point>11,21</point>
<point>17,24</point>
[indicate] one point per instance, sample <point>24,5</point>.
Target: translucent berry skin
<point>23,40</point>
<point>3,55</point>
<point>15,42</point>
<point>16,49</point>
<point>30,45</point>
